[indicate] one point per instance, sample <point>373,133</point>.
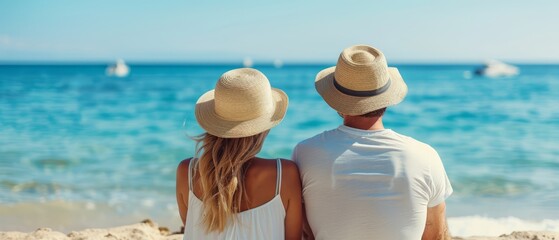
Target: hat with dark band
<point>361,82</point>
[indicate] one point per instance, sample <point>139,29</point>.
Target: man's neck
<point>364,123</point>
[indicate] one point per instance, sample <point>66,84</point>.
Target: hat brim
<point>351,105</point>
<point>217,126</point>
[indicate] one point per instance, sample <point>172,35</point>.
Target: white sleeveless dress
<point>263,222</point>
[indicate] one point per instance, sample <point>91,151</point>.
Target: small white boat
<point>247,62</point>
<point>278,63</point>
<point>119,69</point>
<point>494,69</point>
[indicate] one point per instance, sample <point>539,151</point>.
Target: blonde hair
<point>221,166</point>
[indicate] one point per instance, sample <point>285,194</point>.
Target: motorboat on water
<point>119,69</point>
<point>494,69</point>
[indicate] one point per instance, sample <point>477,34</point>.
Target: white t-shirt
<point>369,184</point>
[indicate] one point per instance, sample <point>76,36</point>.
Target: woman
<point>228,192</point>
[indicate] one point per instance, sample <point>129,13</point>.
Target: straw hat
<point>242,104</point>
<point>361,82</point>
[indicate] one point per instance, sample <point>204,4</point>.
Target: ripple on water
<point>491,186</point>
<point>53,163</point>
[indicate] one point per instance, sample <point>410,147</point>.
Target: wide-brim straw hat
<point>361,82</point>
<point>242,104</point>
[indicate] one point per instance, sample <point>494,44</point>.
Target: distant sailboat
<point>494,68</point>
<point>119,69</point>
<point>247,62</point>
<point>278,63</point>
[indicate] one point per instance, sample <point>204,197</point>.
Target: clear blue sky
<point>302,31</point>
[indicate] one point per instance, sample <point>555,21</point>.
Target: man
<point>360,180</point>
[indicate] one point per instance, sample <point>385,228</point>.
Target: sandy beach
<point>149,230</point>
<point>144,230</point>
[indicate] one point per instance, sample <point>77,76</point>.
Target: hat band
<point>355,93</point>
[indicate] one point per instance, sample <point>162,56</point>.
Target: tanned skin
<point>436,227</point>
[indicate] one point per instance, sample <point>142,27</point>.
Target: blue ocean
<point>81,149</point>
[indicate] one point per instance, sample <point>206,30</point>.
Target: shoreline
<point>149,230</point>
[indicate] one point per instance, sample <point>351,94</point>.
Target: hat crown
<point>361,68</point>
<point>243,94</point>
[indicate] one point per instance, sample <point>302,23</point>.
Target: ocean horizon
<point>81,149</point>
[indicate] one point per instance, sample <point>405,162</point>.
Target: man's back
<point>369,184</point>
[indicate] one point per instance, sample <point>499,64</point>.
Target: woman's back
<point>263,211</point>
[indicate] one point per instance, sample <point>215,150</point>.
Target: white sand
<point>147,230</point>
<point>527,235</point>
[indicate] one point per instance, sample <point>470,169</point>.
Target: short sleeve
<point>440,184</point>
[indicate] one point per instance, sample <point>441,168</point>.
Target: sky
<point>292,31</point>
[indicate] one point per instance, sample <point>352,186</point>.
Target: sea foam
<point>485,226</point>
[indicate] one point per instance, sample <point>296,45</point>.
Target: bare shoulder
<point>289,168</point>
<point>262,167</point>
<point>262,163</point>
<point>270,166</point>
<point>260,180</point>
<point>182,169</point>
<point>290,177</point>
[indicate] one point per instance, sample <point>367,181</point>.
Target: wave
<point>468,226</point>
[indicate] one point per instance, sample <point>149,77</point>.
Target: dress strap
<point>278,177</point>
<point>190,165</point>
